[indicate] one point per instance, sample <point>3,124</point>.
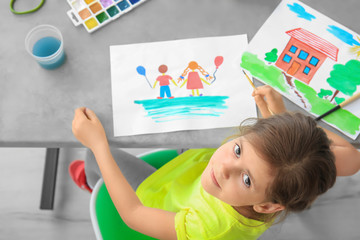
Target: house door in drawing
<point>293,68</point>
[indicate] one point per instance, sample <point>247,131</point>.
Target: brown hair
<point>299,153</point>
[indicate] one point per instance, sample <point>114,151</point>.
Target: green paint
<point>269,74</point>
<point>345,78</point>
<point>324,93</point>
<point>112,11</point>
<point>271,56</point>
<point>342,118</point>
<point>339,100</point>
<point>102,17</point>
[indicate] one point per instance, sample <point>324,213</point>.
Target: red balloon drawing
<point>218,61</point>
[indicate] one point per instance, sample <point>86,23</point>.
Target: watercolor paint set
<point>93,14</point>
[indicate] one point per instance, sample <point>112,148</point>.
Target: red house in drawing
<point>304,54</point>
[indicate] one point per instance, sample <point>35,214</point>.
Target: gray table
<point>37,105</point>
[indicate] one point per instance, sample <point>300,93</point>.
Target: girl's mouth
<point>213,178</point>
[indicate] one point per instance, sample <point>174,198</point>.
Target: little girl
<point>193,80</point>
<point>277,164</point>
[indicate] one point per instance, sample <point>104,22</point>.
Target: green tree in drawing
<point>339,100</point>
<point>271,56</point>
<point>345,78</point>
<point>324,93</point>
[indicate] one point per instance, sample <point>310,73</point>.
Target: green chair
<point>105,219</point>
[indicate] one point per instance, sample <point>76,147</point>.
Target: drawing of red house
<point>304,54</point>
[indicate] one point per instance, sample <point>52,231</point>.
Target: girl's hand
<point>268,101</point>
<point>88,129</point>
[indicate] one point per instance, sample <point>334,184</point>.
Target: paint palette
<point>93,14</point>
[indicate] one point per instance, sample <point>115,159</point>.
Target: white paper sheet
<point>222,101</point>
<point>324,58</point>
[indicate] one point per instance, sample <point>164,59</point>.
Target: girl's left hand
<point>88,129</point>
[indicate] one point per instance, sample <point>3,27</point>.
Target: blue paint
<point>165,90</point>
<point>314,61</point>
<point>123,5</point>
<point>287,58</point>
<point>301,12</point>
<point>44,48</point>
<point>134,1</point>
<point>163,110</point>
<point>293,49</point>
<point>303,55</point>
<point>141,70</point>
<point>343,35</point>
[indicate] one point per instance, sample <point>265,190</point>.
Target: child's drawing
<point>310,59</point>
<point>163,79</point>
<point>193,80</point>
<point>182,108</point>
<point>189,97</point>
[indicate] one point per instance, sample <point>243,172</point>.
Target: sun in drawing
<point>192,78</point>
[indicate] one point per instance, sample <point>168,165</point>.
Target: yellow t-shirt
<point>177,187</point>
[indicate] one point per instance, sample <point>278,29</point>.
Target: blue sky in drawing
<point>343,35</point>
<point>300,11</point>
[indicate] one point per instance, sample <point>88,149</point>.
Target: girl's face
<point>237,175</point>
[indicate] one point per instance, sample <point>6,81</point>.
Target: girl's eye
<point>237,150</point>
<point>246,180</point>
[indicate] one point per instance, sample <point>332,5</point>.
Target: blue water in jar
<point>45,48</point>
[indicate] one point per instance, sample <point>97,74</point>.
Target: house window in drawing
<point>304,54</point>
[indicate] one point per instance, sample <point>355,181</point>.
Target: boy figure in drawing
<point>193,80</point>
<point>164,82</point>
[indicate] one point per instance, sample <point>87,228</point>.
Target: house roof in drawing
<point>315,42</point>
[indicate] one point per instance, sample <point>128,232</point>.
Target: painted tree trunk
<point>335,93</point>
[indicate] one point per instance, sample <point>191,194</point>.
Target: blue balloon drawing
<point>141,70</point>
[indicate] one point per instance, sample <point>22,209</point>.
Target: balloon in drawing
<point>141,70</point>
<point>218,61</point>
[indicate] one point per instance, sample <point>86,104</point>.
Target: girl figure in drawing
<point>193,80</point>
<point>164,82</point>
<point>277,164</point>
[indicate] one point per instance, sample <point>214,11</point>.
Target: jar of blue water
<point>45,44</point>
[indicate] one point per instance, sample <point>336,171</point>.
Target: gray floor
<point>333,216</point>
<point>21,173</point>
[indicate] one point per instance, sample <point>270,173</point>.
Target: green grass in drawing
<point>342,118</point>
<point>273,76</point>
<point>268,73</point>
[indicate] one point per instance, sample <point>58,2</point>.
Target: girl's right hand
<point>88,129</point>
<point>268,101</point>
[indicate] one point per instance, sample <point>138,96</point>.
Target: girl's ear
<point>268,207</point>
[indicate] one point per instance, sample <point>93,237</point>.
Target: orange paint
<point>193,65</point>
<point>95,7</point>
<point>84,14</point>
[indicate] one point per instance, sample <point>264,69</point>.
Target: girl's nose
<point>226,169</point>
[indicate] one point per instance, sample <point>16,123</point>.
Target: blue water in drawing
<point>163,110</point>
